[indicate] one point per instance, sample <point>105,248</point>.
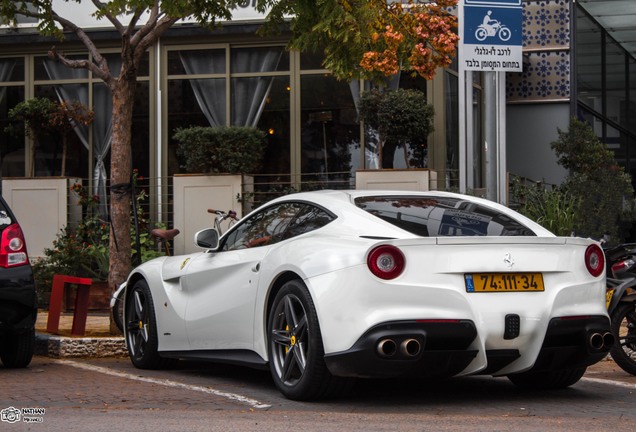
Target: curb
<point>60,346</point>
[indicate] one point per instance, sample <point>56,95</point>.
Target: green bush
<point>229,150</point>
<point>596,198</point>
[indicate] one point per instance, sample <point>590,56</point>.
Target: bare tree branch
<point>113,20</point>
<point>102,72</point>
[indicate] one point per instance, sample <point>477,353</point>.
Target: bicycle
<point>221,217</point>
<point>165,236</point>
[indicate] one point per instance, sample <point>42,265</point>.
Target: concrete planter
<point>195,194</point>
<point>43,206</point>
<point>397,179</point>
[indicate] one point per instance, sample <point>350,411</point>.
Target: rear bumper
<point>431,348</point>
<point>567,343</point>
<point>442,349</point>
<point>18,300</point>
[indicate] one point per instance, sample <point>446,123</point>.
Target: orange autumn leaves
<point>413,36</point>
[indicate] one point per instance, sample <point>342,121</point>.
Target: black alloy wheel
<point>296,354</point>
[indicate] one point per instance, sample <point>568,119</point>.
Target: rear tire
<point>16,349</point>
<point>623,328</point>
<point>296,353</point>
<point>556,379</point>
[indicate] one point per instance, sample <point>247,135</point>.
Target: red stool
<point>81,303</point>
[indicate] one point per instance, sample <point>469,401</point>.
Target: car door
<point>221,286</point>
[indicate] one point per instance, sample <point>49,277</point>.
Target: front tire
<point>556,379</point>
<point>623,328</point>
<point>16,349</point>
<point>141,329</point>
<point>296,354</point>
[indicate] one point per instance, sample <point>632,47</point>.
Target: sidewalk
<point>96,342</point>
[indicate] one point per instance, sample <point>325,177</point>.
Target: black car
<point>18,300</point>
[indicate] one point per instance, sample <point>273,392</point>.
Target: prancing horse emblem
<point>508,260</point>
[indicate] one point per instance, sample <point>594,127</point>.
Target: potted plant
<point>401,119</point>
<point>218,162</point>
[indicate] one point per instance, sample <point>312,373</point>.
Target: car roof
<point>335,199</point>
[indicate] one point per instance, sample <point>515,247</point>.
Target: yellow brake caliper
<point>292,340</point>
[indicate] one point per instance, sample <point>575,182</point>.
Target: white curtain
<point>102,123</point>
<point>249,94</point>
<point>209,93</point>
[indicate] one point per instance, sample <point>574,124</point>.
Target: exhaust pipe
<point>386,348</point>
<point>410,347</point>
<point>596,341</point>
<point>608,340</point>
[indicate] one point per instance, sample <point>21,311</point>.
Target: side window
<point>264,228</point>
<point>308,219</point>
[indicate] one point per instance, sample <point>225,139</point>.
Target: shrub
<point>230,150</point>
<point>402,118</point>
<point>596,198</point>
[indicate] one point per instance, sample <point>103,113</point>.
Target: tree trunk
<point>120,177</point>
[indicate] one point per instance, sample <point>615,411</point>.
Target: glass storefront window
<point>330,132</point>
<point>615,82</point>
<point>630,119</point>
<point>196,62</point>
<point>275,120</point>
<point>259,60</point>
<point>12,150</point>
<point>46,69</point>
<point>588,67</point>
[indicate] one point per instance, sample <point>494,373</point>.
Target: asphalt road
<point>111,395</point>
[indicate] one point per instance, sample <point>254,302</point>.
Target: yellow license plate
<point>608,297</point>
<point>504,282</point>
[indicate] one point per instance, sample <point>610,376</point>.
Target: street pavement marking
<point>611,382</point>
<point>168,383</point>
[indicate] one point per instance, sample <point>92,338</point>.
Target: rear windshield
<point>434,217</point>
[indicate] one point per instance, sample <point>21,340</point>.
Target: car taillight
<point>621,266</point>
<point>594,260</point>
<point>386,262</point>
<point>12,247</point>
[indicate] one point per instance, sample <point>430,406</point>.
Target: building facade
<point>231,76</point>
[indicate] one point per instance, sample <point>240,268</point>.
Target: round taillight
<point>386,262</point>
<point>594,260</point>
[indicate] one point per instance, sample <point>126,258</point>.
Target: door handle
<point>256,268</point>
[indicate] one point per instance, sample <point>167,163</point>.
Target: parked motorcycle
<point>621,303</point>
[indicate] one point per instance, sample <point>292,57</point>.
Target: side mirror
<point>207,238</point>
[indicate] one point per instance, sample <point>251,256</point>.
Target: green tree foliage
<point>403,118</point>
<point>230,150</point>
<point>596,198</point>
<point>603,189</point>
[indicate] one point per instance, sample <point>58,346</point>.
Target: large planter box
<point>194,195</point>
<point>397,179</point>
<point>43,206</point>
